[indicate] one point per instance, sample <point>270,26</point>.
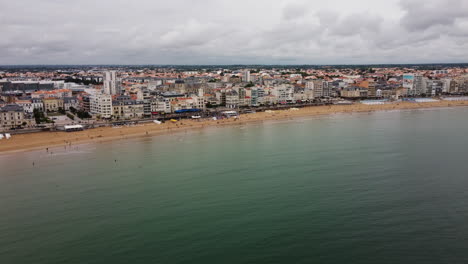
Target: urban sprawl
<point>102,96</point>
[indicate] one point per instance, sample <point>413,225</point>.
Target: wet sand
<point>45,140</point>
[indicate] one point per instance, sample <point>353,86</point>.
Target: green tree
<point>250,84</point>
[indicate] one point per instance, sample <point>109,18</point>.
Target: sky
<point>233,32</point>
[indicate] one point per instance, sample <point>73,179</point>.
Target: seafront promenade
<point>44,140</point>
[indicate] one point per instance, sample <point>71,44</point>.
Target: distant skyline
<point>222,32</point>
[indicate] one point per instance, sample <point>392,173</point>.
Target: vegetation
<point>83,114</point>
<point>80,81</point>
<point>250,84</point>
<point>62,111</point>
<point>40,117</point>
<point>209,105</point>
<point>80,113</point>
<point>304,74</point>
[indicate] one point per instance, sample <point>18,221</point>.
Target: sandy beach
<point>43,140</point>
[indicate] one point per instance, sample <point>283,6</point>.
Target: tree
<point>83,114</point>
<point>40,117</point>
<point>250,84</point>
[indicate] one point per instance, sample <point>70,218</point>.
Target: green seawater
<point>382,187</point>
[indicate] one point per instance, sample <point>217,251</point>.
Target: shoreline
<point>43,140</point>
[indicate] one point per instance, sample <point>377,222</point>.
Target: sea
<point>379,187</point>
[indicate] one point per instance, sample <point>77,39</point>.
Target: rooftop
<point>11,108</point>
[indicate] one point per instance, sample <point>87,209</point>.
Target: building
<point>69,102</point>
<point>86,103</point>
<point>354,92</point>
<point>127,109</point>
<point>160,105</point>
<point>315,89</point>
<point>37,104</point>
<point>26,105</point>
<point>420,85</point>
<point>182,103</point>
<point>369,84</point>
<point>309,90</point>
<point>61,93</point>
<point>256,97</point>
<point>111,83</point>
<point>246,77</point>
<point>232,99</point>
<point>101,105</point>
<point>12,116</point>
<point>284,93</point>
<point>25,86</point>
<point>52,104</point>
<point>408,84</point>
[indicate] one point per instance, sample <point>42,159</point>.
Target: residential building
<point>246,77</point>
<point>354,92</point>
<point>284,93</point>
<point>101,105</point>
<point>111,83</point>
<point>160,105</point>
<point>127,109</point>
<point>232,99</point>
<point>12,116</point>
<point>60,93</point>
<point>26,105</point>
<point>69,102</point>
<point>37,104</point>
<point>52,104</point>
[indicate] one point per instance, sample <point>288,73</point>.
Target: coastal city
<point>233,132</point>
<point>44,99</point>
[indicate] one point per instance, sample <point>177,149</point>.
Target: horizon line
<point>345,64</point>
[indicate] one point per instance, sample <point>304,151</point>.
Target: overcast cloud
<point>233,32</point>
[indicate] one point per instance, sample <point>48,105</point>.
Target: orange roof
<point>23,101</point>
<point>53,91</point>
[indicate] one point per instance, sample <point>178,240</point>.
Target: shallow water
<point>382,187</point>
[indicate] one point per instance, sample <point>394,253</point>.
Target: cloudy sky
<point>233,32</point>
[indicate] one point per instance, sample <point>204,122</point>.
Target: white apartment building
<point>284,93</point>
<point>159,105</point>
<point>101,104</point>
<point>246,76</point>
<point>111,83</point>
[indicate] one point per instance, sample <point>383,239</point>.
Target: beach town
<point>48,107</point>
